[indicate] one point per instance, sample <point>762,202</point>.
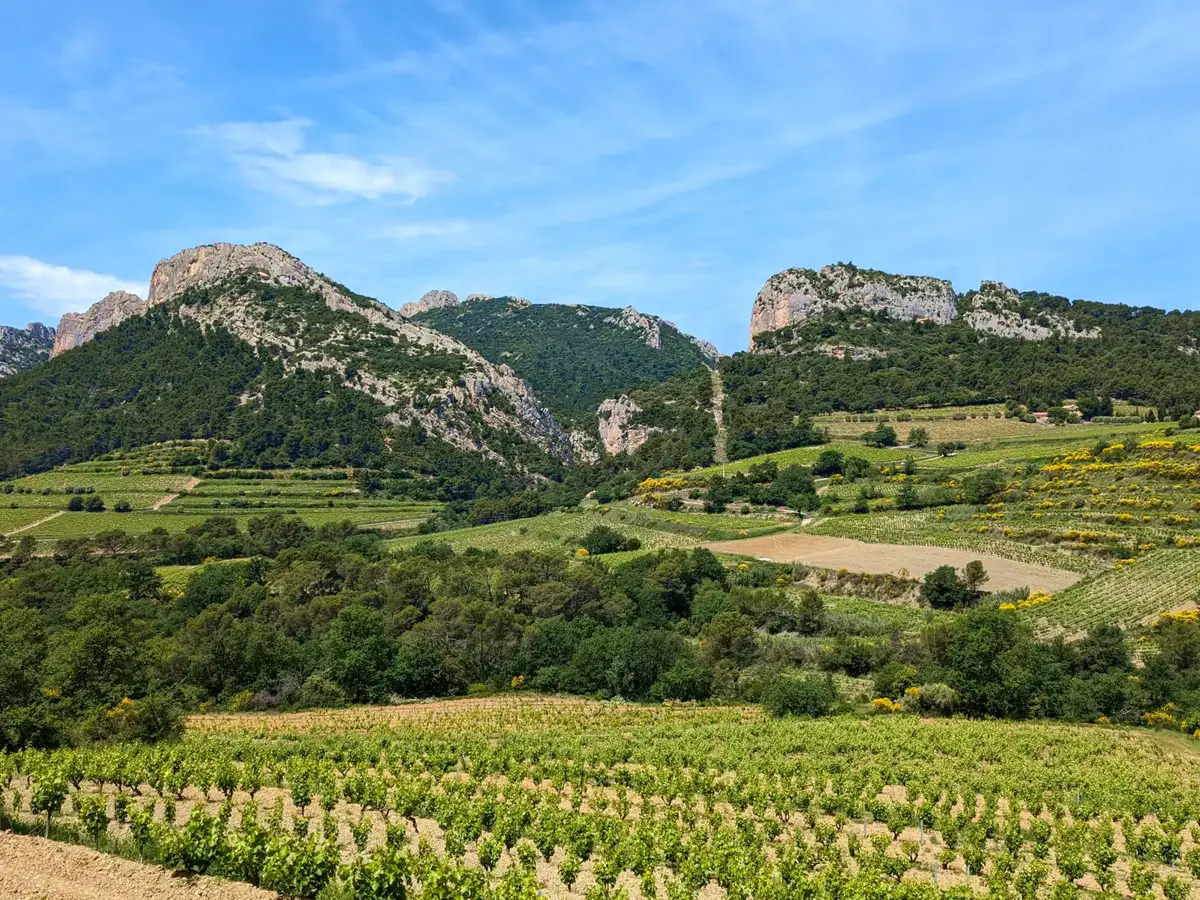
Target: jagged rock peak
<point>429,300</point>
<point>646,326</point>
<point>796,294</point>
<point>78,328</point>
<point>210,263</point>
<point>470,298</point>
<point>996,309</point>
<point>24,348</point>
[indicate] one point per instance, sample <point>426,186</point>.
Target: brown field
<point>894,559</point>
<point>35,869</point>
<point>520,711</point>
<point>942,429</point>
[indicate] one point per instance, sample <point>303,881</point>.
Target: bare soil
<point>35,869</point>
<point>895,559</point>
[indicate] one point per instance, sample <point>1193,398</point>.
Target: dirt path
<point>168,498</point>
<point>31,525</point>
<point>895,559</point>
<point>720,455</point>
<point>35,869</point>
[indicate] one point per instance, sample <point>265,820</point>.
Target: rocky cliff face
<point>617,433</point>
<point>430,300</point>
<point>78,328</point>
<point>451,398</point>
<point>996,309</point>
<point>798,294</point>
<point>24,348</point>
<point>646,327</point>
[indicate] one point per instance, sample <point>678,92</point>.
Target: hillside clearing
<point>894,559</point>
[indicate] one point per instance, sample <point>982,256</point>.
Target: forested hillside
<point>572,356</point>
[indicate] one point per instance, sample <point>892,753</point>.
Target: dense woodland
<point>1142,355</point>
<point>571,357</point>
<point>304,617</point>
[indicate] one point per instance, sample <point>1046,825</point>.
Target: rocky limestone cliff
<point>430,300</point>
<point>444,405</point>
<point>24,348</point>
<point>617,433</point>
<point>996,309</point>
<point>646,327</point>
<point>78,328</point>
<point>798,294</point>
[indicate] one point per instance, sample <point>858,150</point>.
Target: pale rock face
<point>429,300</point>
<point>996,310</point>
<point>470,298</point>
<point>708,350</point>
<point>617,434</point>
<point>78,328</point>
<point>647,327</point>
<point>502,399</point>
<point>798,294</point>
<point>24,348</point>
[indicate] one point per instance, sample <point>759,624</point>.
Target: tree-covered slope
<point>1000,345</point>
<point>288,364</point>
<point>573,357</point>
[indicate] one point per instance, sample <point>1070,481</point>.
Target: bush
<point>686,680</point>
<point>809,695</point>
<point>603,539</point>
<point>94,503</point>
<point>75,504</point>
<point>828,463</point>
<point>122,506</point>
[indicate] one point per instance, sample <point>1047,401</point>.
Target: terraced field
<point>1131,595</point>
<point>37,505</point>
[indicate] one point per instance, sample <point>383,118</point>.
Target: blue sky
<point>670,155</point>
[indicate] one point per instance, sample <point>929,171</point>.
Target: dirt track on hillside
<point>35,869</point>
<point>895,559</point>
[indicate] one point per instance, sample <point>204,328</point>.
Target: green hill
<point>572,356</point>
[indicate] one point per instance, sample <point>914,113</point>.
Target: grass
<point>18,518</point>
<point>806,456</point>
<point>85,524</point>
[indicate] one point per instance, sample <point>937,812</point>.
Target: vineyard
<point>1129,596</point>
<point>140,491</point>
<point>528,796</point>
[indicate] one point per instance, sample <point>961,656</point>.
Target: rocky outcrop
<point>798,294</point>
<point>996,309</point>
<point>24,348</point>
<point>450,406</point>
<point>471,298</point>
<point>618,434</point>
<point>707,349</point>
<point>75,329</point>
<point>430,300</point>
<point>646,327</point>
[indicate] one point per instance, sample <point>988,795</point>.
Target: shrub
<point>122,506</point>
<point>686,680</point>
<point>603,539</point>
<point>809,695</point>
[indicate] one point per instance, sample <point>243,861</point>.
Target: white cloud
<point>55,290</point>
<point>272,157</point>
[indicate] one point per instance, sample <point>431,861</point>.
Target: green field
<point>1132,595</point>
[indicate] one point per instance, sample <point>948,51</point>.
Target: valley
<point>491,598</point>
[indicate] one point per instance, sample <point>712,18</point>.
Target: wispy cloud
<point>272,157</point>
<point>53,290</point>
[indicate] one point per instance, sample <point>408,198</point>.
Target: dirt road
<point>35,869</point>
<point>895,559</point>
